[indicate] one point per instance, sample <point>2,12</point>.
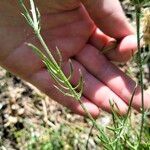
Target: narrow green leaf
<point>60,56</point>
<point>37,51</point>
<point>71,70</point>
<point>63,92</point>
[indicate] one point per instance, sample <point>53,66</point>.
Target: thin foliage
<point>123,135</point>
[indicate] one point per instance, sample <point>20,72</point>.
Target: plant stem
<point>45,46</point>
<point>138,12</point>
<point>76,96</point>
<point>90,132</point>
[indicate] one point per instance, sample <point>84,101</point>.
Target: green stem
<point>138,12</point>
<point>70,86</point>
<point>63,76</point>
<point>89,135</point>
<point>45,46</point>
<point>120,133</point>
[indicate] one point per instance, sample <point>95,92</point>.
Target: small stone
<point>6,116</point>
<point>104,121</point>
<point>1,106</point>
<point>20,111</point>
<point>15,107</point>
<point>13,100</point>
<point>12,119</point>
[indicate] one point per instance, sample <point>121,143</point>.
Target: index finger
<point>109,17</point>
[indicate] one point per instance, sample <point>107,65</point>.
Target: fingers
<point>28,66</point>
<point>124,50</point>
<point>42,81</point>
<point>111,76</point>
<point>94,90</point>
<point>109,17</point>
<point>120,51</point>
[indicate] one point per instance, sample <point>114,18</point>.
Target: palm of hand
<point>69,31</point>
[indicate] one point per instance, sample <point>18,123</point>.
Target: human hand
<point>72,26</point>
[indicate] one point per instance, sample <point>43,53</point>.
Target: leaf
<point>81,84</point>
<point>37,51</point>
<point>60,56</point>
<point>52,66</point>
<point>63,92</point>
<point>47,62</point>
<point>28,20</point>
<point>26,14</point>
<point>71,70</point>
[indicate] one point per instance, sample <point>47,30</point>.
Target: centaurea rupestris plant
<point>121,125</point>
<point>63,83</point>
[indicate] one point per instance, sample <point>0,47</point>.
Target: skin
<point>81,30</point>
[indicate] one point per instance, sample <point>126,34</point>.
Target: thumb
<point>109,17</point>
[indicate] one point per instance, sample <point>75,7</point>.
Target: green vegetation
<point>49,139</point>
